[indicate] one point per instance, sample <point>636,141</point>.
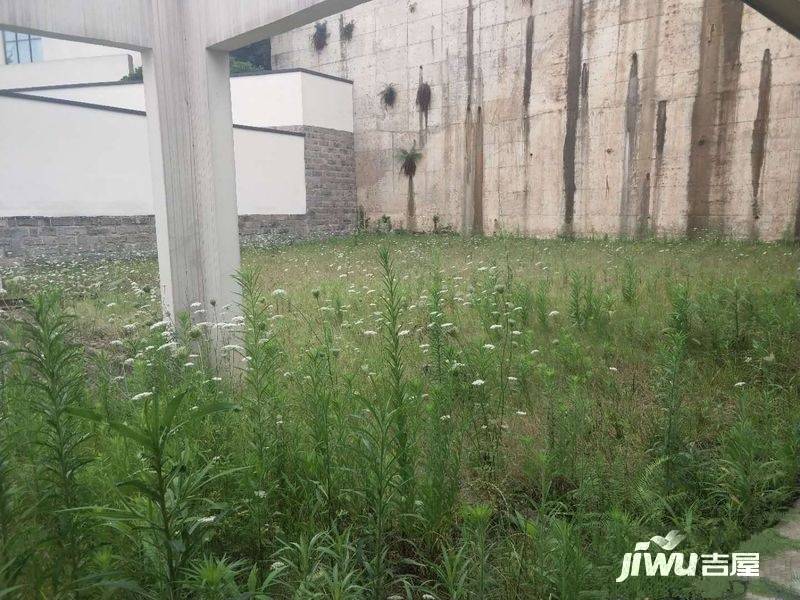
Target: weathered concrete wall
<point>573,116</point>
<point>330,210</point>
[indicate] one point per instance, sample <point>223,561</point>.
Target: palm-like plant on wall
<point>388,96</point>
<point>408,167</point>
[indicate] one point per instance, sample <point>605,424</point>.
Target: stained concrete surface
<point>534,107</point>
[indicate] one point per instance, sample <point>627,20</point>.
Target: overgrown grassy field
<point>398,417</point>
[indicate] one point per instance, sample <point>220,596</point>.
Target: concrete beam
<point>784,13</point>
<point>120,23</point>
<point>242,22</point>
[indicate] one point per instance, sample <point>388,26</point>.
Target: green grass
<point>449,418</point>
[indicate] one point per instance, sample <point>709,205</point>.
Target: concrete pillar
<point>188,101</point>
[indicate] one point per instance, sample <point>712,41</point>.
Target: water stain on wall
<point>574,67</point>
<point>647,120</point>
<point>632,108</point>
<point>661,140</point>
<point>713,109</point>
<point>472,207</point>
<point>797,214</point>
<point>526,120</point>
<point>661,131</point>
<point>477,188</point>
<point>760,129</point>
<point>585,134</point>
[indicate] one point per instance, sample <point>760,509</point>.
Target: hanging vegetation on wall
<point>346,29</point>
<point>424,95</point>
<point>408,167</point>
<point>320,37</point>
<point>388,95</point>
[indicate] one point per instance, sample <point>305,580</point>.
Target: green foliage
<point>388,95</point>
<point>419,417</point>
<point>346,30</point>
<point>408,161</point>
<point>53,362</point>
<point>243,66</point>
<point>319,39</point>
<point>164,507</point>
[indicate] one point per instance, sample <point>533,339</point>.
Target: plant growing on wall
<point>424,95</point>
<point>363,219</point>
<point>346,30</point>
<point>408,167</point>
<point>388,95</point>
<point>319,39</point>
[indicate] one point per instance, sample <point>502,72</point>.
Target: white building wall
<point>55,49</point>
<point>75,161</point>
<point>269,100</point>
<point>63,72</point>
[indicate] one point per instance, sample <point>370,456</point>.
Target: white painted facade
<point>68,71</point>
<point>277,99</point>
<point>58,159</point>
<point>59,62</point>
<point>75,161</point>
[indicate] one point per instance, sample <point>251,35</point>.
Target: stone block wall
<point>53,238</point>
<point>330,210</point>
<point>548,117</point>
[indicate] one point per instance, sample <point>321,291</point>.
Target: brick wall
<point>330,210</point>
